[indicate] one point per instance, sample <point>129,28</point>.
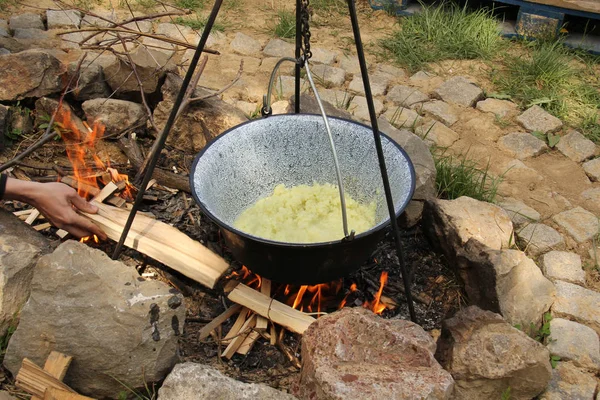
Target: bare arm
<point>57,202</point>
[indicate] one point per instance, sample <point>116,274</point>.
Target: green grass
<point>442,32</point>
<point>198,23</point>
<point>459,176</point>
<point>286,25</point>
<point>191,4</point>
<point>339,6</point>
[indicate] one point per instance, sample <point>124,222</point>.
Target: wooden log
<point>273,334</point>
<point>236,342</point>
<point>265,288</point>
<point>271,309</point>
<point>57,394</point>
<point>84,187</point>
<point>237,325</point>
<point>212,325</point>
<point>162,242</point>
<point>35,380</point>
<point>248,343</point>
<point>106,191</point>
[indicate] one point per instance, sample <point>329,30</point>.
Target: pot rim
<point>377,228</point>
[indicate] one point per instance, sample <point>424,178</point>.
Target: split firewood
<point>248,343</point>
<point>236,342</point>
<point>212,325</point>
<point>162,242</point>
<point>42,227</point>
<point>106,191</point>
<point>265,288</point>
<point>56,365</point>
<point>69,180</point>
<point>237,326</point>
<point>35,380</point>
<point>263,305</point>
<point>273,334</point>
<point>32,217</point>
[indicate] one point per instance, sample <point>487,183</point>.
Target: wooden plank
<point>248,343</point>
<point>23,212</point>
<point>236,342</point>
<point>592,6</point>
<point>116,201</point>
<point>273,335</point>
<point>32,216</point>
<point>35,380</point>
<point>271,309</point>
<point>69,180</point>
<point>43,226</point>
<point>57,394</point>
<point>106,191</point>
<point>61,233</point>
<point>265,288</point>
<point>57,364</point>
<point>162,242</point>
<point>237,325</point>
<point>212,325</point>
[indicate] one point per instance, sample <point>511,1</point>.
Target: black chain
<point>305,28</point>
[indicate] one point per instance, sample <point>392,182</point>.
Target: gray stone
<point>90,82</point>
<point>279,48</point>
<point>506,282</point>
<point>309,105</point>
<point>101,313</point>
<point>358,107</point>
<point>30,34</point>
<point>581,224</point>
<point>159,45</point>
<point>485,356</point>
<point>564,266</point>
<point>592,169</point>
<point>249,109</point>
<point>281,107</point>
<point>45,107</point>
<point>337,98</point>
<point>520,213</point>
<point>340,362</point>
<point>89,20</point>
<point>4,33</point>
<point>392,72</point>
<point>174,31</point>
<point>197,381</point>
<point>536,119</point>
<point>593,195</point>
<point>139,26</point>
<point>459,90</point>
<point>284,86</point>
<point>43,75</point>
<point>450,224</point>
<point>3,24</point>
<point>537,239</point>
<point>572,341</point>
<point>268,64</point>
<point>20,248</point>
<point>26,21</point>
<point>245,45</point>
<point>379,84</point>
<point>577,303</point>
<point>522,145</point>
<point>20,121</point>
<point>406,96</point>
<point>115,115</point>
<point>576,146</point>
<point>63,18</point>
<point>322,56</point>
<point>421,76</point>
<point>402,117</point>
<point>500,108</point>
<point>569,382</point>
<point>72,40</point>
<point>4,51</point>
<point>327,75</point>
<point>441,111</point>
<point>436,133</point>
<point>350,64</point>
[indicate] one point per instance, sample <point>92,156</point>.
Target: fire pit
<point>245,163</point>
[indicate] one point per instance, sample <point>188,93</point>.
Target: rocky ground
<point>531,255</point>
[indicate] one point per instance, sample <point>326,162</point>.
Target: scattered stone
<point>139,26</point>
<point>249,109</point>
<point>450,224</point>
<point>203,120</point>
<point>89,20</point>
<point>72,40</point>
<point>392,72</point>
<point>402,117</point>
<point>115,115</point>
<point>43,75</point>
<point>592,169</point>
<point>576,146</point>
<point>20,248</point>
<point>379,84</point>
<point>337,98</point>
<point>309,105</point>
<point>575,342</point>
<point>522,145</point>
<point>151,66</point>
<point>197,381</point>
<point>30,34</point>
<point>536,119</point>
<point>284,86</point>
<point>63,18</point>
<point>500,108</point>
<point>322,56</point>
<point>486,356</point>
<point>358,107</point>
<point>279,48</point>
<point>519,213</point>
<point>20,121</point>
<point>159,45</point>
<point>539,238</point>
<point>576,303</point>
<point>26,21</point>
<point>267,64</point>
<point>593,195</point>
<point>45,107</point>
<point>350,64</point>
<point>245,45</point>
<point>102,313</point>
<point>340,361</point>
<point>436,133</point>
<point>406,96</point>
<point>281,107</point>
<point>564,266</point>
<point>506,282</point>
<point>441,111</point>
<point>421,76</point>
<point>569,382</point>
<point>174,31</point>
<point>327,75</point>
<point>459,90</point>
<point>4,32</point>
<point>581,224</point>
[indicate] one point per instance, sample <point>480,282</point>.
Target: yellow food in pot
<point>304,214</point>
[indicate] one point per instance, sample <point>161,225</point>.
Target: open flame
<point>376,305</point>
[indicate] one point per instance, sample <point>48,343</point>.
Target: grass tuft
<point>191,4</point>
<point>199,23</point>
<point>441,32</point>
<point>339,6</point>
<point>286,26</point>
<point>459,176</point>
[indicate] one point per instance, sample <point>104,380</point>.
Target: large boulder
<point>30,73</point>
<point>200,122</point>
<point>20,248</point>
<point>114,323</point>
<point>197,381</point>
<point>115,115</point>
<point>90,82</point>
<point>354,354</point>
<point>486,356</point>
<point>450,224</point>
<point>506,282</point>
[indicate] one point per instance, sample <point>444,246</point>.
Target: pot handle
<point>266,108</point>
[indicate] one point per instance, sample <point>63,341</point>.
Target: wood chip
<point>32,216</point>
<point>41,227</point>
<point>265,288</point>
<point>236,342</point>
<point>237,325</point>
<point>248,343</point>
<point>212,325</point>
